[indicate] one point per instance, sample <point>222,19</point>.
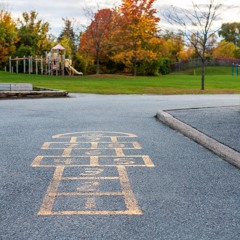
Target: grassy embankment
<point>218,80</point>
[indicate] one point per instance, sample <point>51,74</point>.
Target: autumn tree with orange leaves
<point>8,36</point>
<point>136,31</point>
<point>95,41</point>
<point>225,49</point>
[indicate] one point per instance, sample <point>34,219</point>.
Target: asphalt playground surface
<point>103,167</point>
<point>220,123</point>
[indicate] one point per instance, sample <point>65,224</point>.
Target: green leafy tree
<point>68,38</point>
<point>67,45</point>
<point>230,32</point>
<point>33,35</point>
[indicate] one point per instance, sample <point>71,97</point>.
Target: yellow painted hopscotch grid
<point>85,184</point>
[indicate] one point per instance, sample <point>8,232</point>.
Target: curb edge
<point>211,144</point>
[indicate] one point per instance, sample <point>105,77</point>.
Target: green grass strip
<point>219,80</point>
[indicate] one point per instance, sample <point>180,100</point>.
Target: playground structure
<point>54,63</point>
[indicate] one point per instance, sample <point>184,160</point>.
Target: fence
<point>192,63</point>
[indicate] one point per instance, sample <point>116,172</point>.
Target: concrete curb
<point>41,93</point>
<point>218,148</point>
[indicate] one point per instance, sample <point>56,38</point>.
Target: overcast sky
<point>53,11</point>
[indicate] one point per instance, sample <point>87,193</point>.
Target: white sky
<point>53,11</point>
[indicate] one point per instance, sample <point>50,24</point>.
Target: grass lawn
<point>218,80</point>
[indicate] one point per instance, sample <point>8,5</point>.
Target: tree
<point>67,37</point>
<point>137,28</point>
<point>230,32</point>
<point>186,53</point>
<point>96,40</point>
<point>197,26</point>
<point>225,49</point>
<point>8,36</point>
<point>33,35</point>
<point>171,45</point>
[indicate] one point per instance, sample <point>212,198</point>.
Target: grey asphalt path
<point>220,123</point>
<point>190,193</point>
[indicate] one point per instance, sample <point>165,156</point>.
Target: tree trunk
<point>97,64</point>
<point>135,66</point>
<point>203,75</point>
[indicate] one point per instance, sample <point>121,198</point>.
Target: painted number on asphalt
<point>91,173</point>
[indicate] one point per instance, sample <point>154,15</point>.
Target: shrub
<point>149,68</point>
<point>164,68</point>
